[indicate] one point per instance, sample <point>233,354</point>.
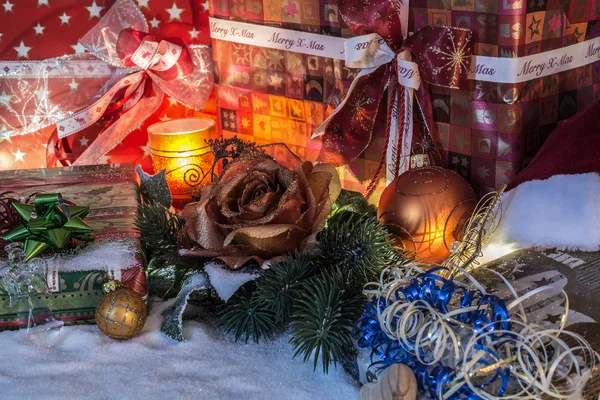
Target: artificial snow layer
<point>98,255</point>
<point>86,364</point>
<point>560,212</point>
<point>225,281</point>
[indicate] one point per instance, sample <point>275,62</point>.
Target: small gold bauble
<point>121,314</point>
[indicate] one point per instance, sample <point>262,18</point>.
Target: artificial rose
<point>258,210</point>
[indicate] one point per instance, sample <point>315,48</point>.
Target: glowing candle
<point>179,147</point>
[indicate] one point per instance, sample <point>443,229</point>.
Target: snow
<point>561,212</point>
<point>225,281</point>
<point>84,363</point>
<point>93,257</point>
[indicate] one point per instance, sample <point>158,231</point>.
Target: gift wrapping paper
<point>111,194</point>
<point>485,131</point>
<point>281,96</point>
<point>41,29</point>
<point>489,131</point>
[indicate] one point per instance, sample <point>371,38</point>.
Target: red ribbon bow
<point>443,55</point>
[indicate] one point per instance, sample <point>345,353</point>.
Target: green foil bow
<point>48,222</point>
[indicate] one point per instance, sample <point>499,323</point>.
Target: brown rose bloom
<point>258,210</point>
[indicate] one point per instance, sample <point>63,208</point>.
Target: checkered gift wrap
<point>279,96</point>
<point>488,132</point>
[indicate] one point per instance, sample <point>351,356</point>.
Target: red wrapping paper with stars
<point>41,29</point>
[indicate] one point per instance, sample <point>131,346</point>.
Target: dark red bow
<point>443,55</point>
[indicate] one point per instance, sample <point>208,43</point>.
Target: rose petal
<point>273,239</point>
<point>333,190</point>
<point>201,228</point>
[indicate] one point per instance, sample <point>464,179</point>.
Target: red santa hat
<point>555,201</point>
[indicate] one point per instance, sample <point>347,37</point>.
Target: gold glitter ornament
<point>121,313</point>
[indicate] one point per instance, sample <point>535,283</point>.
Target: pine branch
<point>323,317</point>
<point>158,227</point>
<point>356,244</point>
<point>244,316</point>
<point>280,285</point>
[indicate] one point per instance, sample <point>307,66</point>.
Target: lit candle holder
<point>179,147</point>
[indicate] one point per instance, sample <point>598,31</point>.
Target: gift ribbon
<point>147,69</point>
<point>49,222</point>
<point>372,50</point>
<point>404,65</point>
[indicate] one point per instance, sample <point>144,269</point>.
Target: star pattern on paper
<point>5,99</point>
<point>94,10</point>
<point>164,118</point>
<point>22,50</point>
<point>245,123</point>
<point>174,12</point>
<point>241,53</point>
<point>544,282</point>
<point>43,3</point>
<point>143,3</point>
<point>8,6</point>
<point>554,23</point>
<point>461,141</point>
<point>172,101</point>
<point>42,94</point>
<point>534,26</point>
<point>275,58</point>
<point>83,141</point>
<point>19,156</point>
<point>577,34</point>
<point>39,29</point>
<point>483,172</point>
<point>205,6</point>
<point>79,48</point>
<point>276,81</point>
<point>64,18</point>
<point>291,9</point>
<point>145,149</point>
<point>154,22</point>
<point>553,319</point>
<point>194,33</point>
<point>73,85</point>
<point>4,137</point>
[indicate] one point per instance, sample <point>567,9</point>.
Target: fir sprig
<point>280,285</point>
<point>158,227</point>
<point>323,317</point>
<point>245,316</point>
<point>357,244</point>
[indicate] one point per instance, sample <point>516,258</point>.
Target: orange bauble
<point>426,209</point>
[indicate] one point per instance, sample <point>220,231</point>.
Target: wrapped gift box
<point>36,30</point>
<point>489,131</point>
<point>75,276</point>
<point>281,96</point>
<point>485,131</point>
